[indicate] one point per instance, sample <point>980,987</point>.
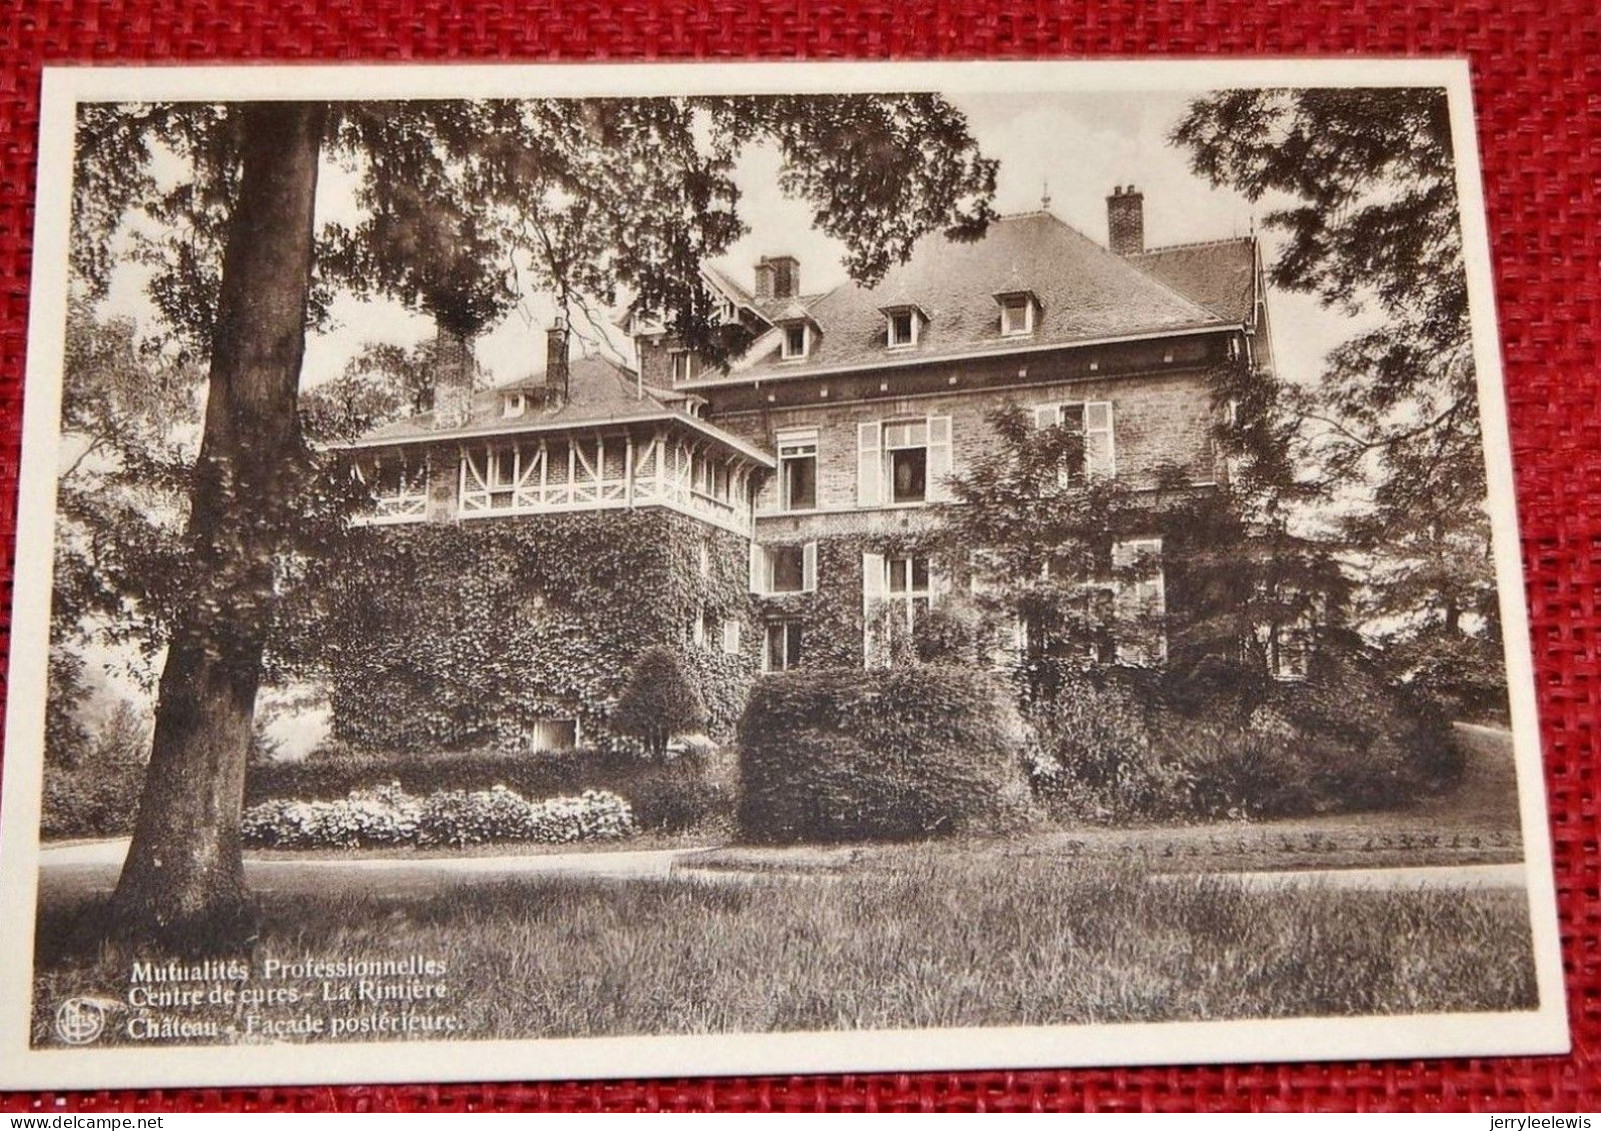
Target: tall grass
<point>946,942</point>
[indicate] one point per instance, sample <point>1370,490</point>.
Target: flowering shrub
<point>693,790</point>
<point>389,816</point>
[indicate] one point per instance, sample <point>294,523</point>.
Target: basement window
<point>781,649</point>
<point>554,734</point>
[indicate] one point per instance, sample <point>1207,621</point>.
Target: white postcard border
<point>1442,1035</point>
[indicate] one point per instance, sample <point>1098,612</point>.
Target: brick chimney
<point>1125,221</point>
<point>777,276</point>
<point>557,369</point>
<point>453,377</point>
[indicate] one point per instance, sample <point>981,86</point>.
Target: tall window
<point>897,590</point>
<point>907,582</point>
<point>902,461</point>
<point>702,628</point>
<point>1290,650</point>
<point>781,649</point>
<point>797,471</point>
<point>1091,423</point>
<point>906,461</point>
<point>1141,602</point>
<point>788,565</point>
<point>686,366</point>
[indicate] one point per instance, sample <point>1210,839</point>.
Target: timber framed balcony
<point>607,470</point>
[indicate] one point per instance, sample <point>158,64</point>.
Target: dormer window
<point>514,404</point>
<point>797,341</point>
<point>903,325</point>
<point>1017,313</point>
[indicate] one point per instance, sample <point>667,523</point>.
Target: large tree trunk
<point>183,882</point>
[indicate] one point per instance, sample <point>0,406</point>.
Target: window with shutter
<point>797,470</point>
<point>1091,423</point>
<point>1141,601</point>
<point>939,458</point>
<point>869,471</point>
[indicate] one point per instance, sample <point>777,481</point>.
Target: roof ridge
<point>1030,212</point>
<point>537,376</point>
<point>1195,243</point>
<point>727,280</point>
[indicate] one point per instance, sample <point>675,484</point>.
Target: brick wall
<point>655,361</point>
<point>1158,420</point>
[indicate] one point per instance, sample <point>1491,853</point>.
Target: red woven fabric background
<point>1537,85</point>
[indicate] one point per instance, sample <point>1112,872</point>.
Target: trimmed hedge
<point>879,755</point>
<point>688,792</point>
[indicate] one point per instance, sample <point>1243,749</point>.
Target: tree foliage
<point>130,420</point>
<point>382,383</point>
<point>1363,188</point>
<point>598,194</point>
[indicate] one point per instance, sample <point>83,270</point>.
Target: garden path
<point>91,866</point>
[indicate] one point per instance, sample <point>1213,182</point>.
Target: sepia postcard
<point>597,571</point>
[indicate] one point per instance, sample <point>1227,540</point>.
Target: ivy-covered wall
<point>831,618</point>
<point>442,636</point>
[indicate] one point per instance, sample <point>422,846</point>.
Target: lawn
<point>949,938</point>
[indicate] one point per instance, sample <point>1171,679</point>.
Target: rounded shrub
<point>659,701</point>
<point>879,755</point>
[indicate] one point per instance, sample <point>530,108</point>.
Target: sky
<point>1075,147</point>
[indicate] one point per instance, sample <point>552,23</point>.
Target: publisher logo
<point>80,1021</point>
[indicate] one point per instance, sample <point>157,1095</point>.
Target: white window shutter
<point>758,569</point>
<point>873,586</point>
<point>731,635</point>
<point>939,458</point>
<point>809,567</point>
<point>1099,445</point>
<point>869,464</point>
<point>1047,415</point>
<point>873,590</point>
